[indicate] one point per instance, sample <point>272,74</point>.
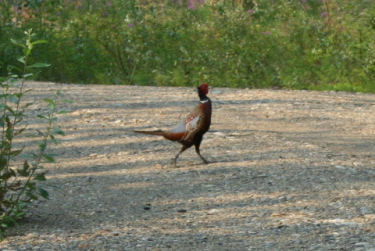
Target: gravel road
<point>290,170</point>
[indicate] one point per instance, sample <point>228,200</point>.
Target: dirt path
<point>292,170</point>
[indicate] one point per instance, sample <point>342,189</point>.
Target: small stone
<point>340,167</point>
<point>353,240</point>
<point>204,238</point>
<point>213,211</point>
<point>219,134</point>
<point>349,224</point>
<point>215,91</point>
<point>270,244</point>
<point>361,244</point>
<point>365,210</point>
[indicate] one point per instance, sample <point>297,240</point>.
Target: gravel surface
<point>291,170</point>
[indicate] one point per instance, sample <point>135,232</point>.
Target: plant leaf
<point>15,186</point>
<point>38,65</point>
<point>18,95</point>
<point>23,173</point>
<point>39,42</point>
<point>14,99</point>
<point>16,43</point>
<point>19,131</point>
<point>49,101</point>
<point>52,104</point>
<point>42,146</point>
<point>9,109</point>
<point>53,139</point>
<point>27,75</point>
<point>16,68</point>
<point>40,133</point>
<point>16,152</point>
<point>21,59</point>
<point>58,131</point>
<point>48,157</point>
<point>42,117</point>
<point>25,169</point>
<point>7,173</point>
<point>43,193</point>
<point>3,163</point>
<point>40,176</point>
<point>31,197</point>
<point>66,101</point>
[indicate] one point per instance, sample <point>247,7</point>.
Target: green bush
<point>305,44</point>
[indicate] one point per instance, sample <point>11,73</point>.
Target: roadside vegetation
<point>22,171</point>
<point>299,44</point>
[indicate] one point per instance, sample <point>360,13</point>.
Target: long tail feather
<point>159,132</point>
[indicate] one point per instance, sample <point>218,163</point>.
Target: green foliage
<point>302,44</point>
<point>20,178</point>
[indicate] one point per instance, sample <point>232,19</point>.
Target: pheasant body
<point>190,131</point>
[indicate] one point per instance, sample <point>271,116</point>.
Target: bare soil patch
<point>291,170</point>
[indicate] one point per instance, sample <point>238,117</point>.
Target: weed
<point>20,176</point>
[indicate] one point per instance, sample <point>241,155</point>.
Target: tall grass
<point>299,44</point>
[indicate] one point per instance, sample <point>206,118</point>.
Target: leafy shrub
<point>304,44</point>
<point>20,176</point>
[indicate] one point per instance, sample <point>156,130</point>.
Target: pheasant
<point>190,131</point>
